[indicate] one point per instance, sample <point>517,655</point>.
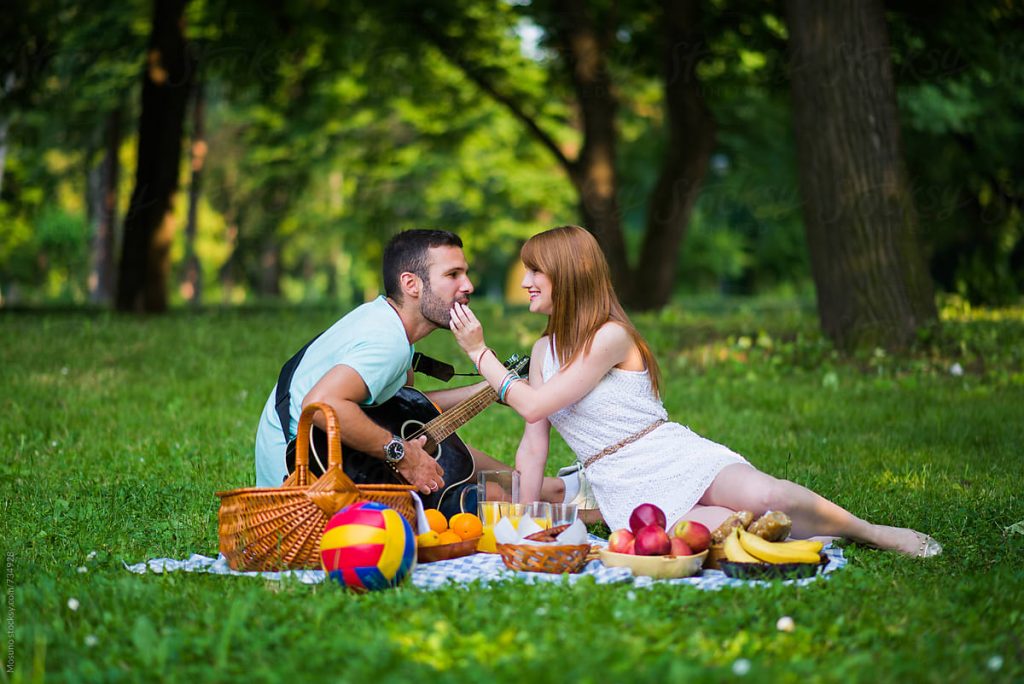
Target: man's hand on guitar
<point>419,469</point>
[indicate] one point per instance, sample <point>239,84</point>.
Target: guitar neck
<point>444,425</point>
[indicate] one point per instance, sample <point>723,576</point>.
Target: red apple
<point>652,540</point>
<point>646,514</point>
<point>680,548</point>
<point>696,536</point>
<point>620,540</point>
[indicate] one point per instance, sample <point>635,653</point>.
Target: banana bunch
<point>743,547</point>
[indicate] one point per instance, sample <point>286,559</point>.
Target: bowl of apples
<point>649,550</point>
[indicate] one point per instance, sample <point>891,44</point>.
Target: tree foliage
<point>962,77</point>
<point>334,125</point>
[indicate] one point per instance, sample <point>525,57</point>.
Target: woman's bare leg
<point>713,516</point>
<point>743,487</point>
<point>709,516</point>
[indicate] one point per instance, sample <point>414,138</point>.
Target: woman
<point>594,378</point>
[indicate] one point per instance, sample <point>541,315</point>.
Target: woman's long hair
<point>583,298</point>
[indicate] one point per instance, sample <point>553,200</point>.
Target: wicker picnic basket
<point>276,528</point>
<point>536,558</point>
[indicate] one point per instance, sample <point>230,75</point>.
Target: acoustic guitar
<point>410,414</point>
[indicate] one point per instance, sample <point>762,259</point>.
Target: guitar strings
<point>459,414</point>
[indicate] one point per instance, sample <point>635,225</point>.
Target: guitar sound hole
<point>411,427</point>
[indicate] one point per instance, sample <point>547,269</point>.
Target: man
<point>365,358</point>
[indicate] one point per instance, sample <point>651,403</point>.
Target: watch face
<point>394,451</point>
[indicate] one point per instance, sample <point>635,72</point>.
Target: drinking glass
<point>498,485</point>
<point>515,512</point>
<point>563,514</point>
<point>540,511</point>
<point>490,513</point>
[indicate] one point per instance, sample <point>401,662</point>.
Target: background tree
<point>319,149</point>
<point>192,283</point>
<point>872,279</point>
<point>330,128</point>
<point>583,41</point>
<point>148,226</point>
<point>960,74</point>
<point>103,193</point>
<point>74,65</point>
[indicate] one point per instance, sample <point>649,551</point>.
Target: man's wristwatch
<point>394,451</point>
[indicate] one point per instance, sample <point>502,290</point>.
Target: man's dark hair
<point>407,251</point>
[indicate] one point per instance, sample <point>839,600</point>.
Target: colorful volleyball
<point>368,546</point>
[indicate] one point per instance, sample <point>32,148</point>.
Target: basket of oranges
<point>447,539</point>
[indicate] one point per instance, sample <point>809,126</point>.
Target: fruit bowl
<point>658,567</point>
<point>430,554</point>
<point>766,571</point>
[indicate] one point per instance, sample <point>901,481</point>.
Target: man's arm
<point>446,398</point>
<point>342,388</point>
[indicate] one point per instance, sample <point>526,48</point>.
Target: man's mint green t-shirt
<point>371,341</point>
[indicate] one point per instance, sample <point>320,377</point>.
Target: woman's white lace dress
<point>671,467</point>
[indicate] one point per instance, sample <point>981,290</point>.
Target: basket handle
<point>301,476</point>
<point>333,490</point>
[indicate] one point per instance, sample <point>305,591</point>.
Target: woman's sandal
<point>928,547</point>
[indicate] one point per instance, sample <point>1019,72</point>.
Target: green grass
<point>115,433</point>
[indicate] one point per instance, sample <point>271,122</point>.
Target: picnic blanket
<point>486,568</point>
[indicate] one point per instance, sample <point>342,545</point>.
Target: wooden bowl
<point>658,567</point>
<point>430,554</point>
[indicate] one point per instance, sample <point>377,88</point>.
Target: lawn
<point>116,432</point>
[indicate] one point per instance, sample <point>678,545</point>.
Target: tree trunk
<point>149,226</point>
<point>193,283</point>
<point>101,276</point>
<point>227,273</point>
<point>270,268</point>
<point>594,172</point>
<point>5,124</point>
<point>869,269</point>
<point>691,141</point>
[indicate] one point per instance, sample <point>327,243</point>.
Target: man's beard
<point>435,309</point>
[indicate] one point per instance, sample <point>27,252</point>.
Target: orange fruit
<point>428,539</point>
<point>436,520</point>
<point>449,537</point>
<point>454,520</point>
<point>467,526</point>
